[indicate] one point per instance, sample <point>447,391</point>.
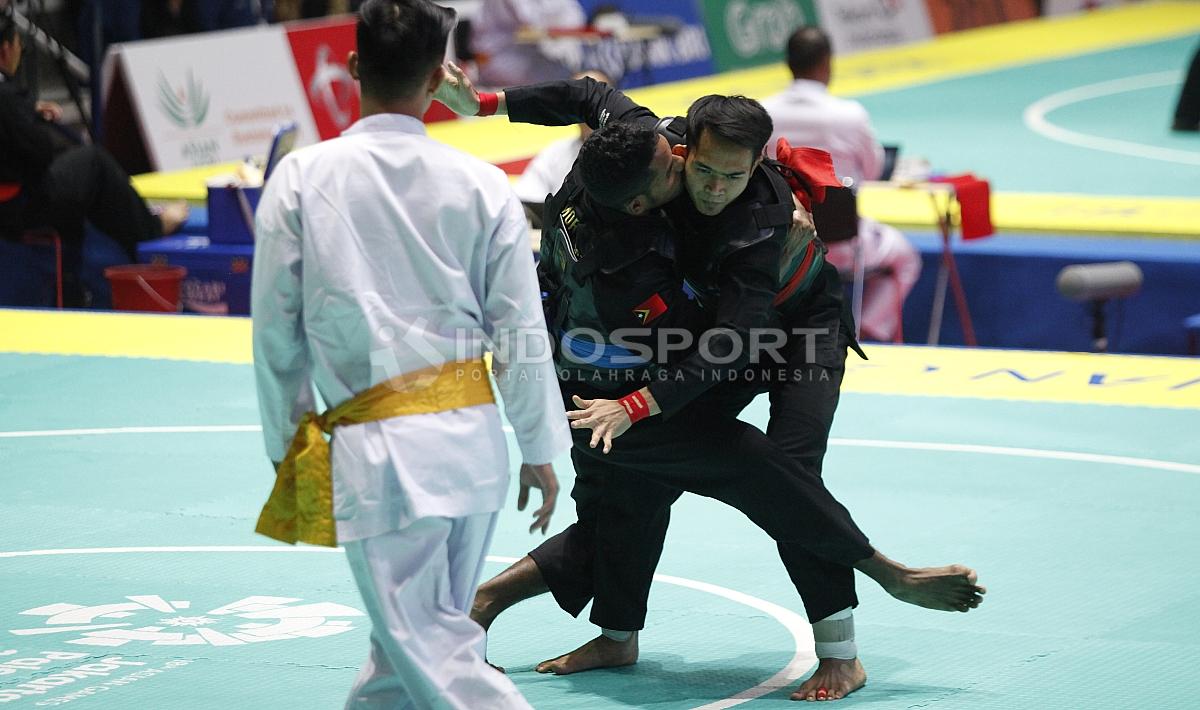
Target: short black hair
<point>736,119</point>
<point>399,43</point>
<point>614,162</point>
<point>8,27</point>
<point>807,48</point>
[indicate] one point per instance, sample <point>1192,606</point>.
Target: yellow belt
<point>300,507</point>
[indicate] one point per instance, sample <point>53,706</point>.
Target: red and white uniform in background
<point>545,173</point>
<point>808,115</point>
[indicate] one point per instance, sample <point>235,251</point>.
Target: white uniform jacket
<point>383,252</point>
<point>546,172</point>
<point>807,114</point>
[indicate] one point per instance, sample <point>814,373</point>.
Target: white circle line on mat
<point>219,429</point>
<point>796,625</point>
<point>1021,452</point>
<point>1131,461</point>
<point>1035,118</point>
<point>802,660</point>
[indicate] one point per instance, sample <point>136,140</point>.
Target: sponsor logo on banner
<point>757,27</point>
<point>187,105</point>
<point>681,52</point>
<point>320,50</point>
<point>214,97</point>
<point>855,25</point>
<point>746,33</point>
<point>1064,7</point>
<point>953,15</point>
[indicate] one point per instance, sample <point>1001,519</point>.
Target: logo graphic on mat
<point>187,105</point>
<point>173,623</point>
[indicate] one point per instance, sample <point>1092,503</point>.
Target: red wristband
<point>488,103</point>
<point>635,406</point>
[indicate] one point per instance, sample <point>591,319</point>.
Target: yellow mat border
<point>1056,213</point>
<point>1031,376</point>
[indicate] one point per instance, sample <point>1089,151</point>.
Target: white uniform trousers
<point>418,585</point>
<point>892,265</point>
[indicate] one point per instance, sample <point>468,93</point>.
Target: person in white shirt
<point>549,168</point>
<point>807,114</point>
<point>385,264</point>
<point>506,60</point>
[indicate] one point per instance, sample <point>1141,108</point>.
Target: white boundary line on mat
<point>802,659</point>
<point>1035,118</point>
<point>1084,457</point>
<point>1024,453</point>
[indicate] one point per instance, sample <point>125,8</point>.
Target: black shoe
<point>1185,126</point>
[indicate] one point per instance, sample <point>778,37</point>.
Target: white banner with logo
<point>210,98</point>
<point>855,25</point>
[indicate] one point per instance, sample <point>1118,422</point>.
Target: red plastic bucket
<point>145,287</point>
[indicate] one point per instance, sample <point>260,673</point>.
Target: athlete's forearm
<point>563,103</point>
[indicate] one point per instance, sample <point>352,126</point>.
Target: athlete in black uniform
<point>603,264</point>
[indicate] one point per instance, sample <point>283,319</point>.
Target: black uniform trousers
<point>85,184</point>
<point>623,498</point>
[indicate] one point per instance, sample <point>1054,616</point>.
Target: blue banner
<point>682,52</point>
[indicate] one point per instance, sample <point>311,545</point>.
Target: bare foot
<point>600,652</point>
<point>172,216</point>
<point>834,679</point>
<point>950,588</point>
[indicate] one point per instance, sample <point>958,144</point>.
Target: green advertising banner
<point>745,33</point>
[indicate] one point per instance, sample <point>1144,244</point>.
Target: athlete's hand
<point>457,92</point>
<point>606,418</point>
<point>802,219</point>
<point>540,476</point>
<point>49,111</point>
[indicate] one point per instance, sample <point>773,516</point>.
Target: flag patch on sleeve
<point>650,309</point>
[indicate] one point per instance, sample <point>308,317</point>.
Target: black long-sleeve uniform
<point>64,188</point>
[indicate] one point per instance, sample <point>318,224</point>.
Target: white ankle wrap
<point>834,636</point>
<point>618,636</point>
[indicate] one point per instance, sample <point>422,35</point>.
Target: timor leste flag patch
<point>651,308</point>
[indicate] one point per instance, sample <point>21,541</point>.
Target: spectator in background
<point>1187,111</point>
<point>208,15</point>
<point>503,59</point>
<point>120,21</point>
<point>44,184</point>
<point>163,18</point>
<point>287,10</point>
<point>129,20</point>
<point>807,114</point>
<point>546,172</point>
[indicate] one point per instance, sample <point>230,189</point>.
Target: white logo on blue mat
<point>246,621</point>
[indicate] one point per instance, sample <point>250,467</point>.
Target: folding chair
<point>39,237</point>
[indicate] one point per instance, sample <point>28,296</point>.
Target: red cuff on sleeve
<point>635,406</point>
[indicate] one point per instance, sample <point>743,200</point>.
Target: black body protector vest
<point>578,246</point>
<point>583,242</point>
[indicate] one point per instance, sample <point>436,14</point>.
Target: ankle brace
<point>834,636</point>
<point>618,636</point>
